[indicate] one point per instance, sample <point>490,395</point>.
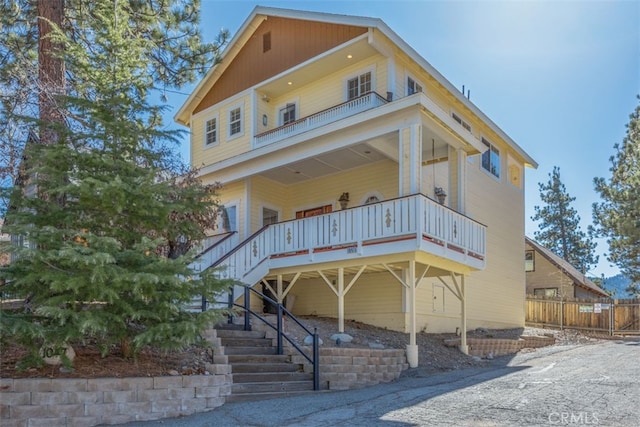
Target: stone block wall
<point>349,368</point>
<point>89,402</point>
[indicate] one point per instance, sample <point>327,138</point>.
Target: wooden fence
<point>612,316</point>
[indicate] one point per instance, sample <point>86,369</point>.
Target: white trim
<point>247,212</point>
<point>408,75</point>
<point>229,110</point>
<point>463,119</point>
<point>235,99</point>
<point>498,178</point>
<point>295,101</point>
<point>263,206</point>
<point>356,74</point>
<point>216,117</point>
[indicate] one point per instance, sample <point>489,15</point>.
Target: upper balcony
<point>349,108</point>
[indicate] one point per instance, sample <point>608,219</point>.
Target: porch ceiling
<point>327,163</point>
<point>365,153</point>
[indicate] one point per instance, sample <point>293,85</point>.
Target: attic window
<point>266,42</point>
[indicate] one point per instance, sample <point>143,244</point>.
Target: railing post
<point>279,327</point>
<point>316,360</point>
<point>229,305</point>
<point>247,303</point>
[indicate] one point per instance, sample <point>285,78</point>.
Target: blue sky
<point>559,77</point>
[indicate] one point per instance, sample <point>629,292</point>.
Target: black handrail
<point>314,359</point>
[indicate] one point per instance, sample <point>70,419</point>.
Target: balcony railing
<point>338,112</point>
<point>399,225</point>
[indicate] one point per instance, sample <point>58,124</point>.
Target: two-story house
<point>357,179</point>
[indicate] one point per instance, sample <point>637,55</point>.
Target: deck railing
<point>354,106</point>
<point>432,227</point>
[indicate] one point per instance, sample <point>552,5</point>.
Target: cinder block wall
<point>350,368</point>
<point>89,402</point>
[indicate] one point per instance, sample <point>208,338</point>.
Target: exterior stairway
<point>258,372</point>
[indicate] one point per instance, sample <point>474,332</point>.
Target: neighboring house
<point>335,141</point>
<point>550,275</point>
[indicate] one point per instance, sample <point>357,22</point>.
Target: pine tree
<point>33,75</point>
<point>97,266</point>
<point>617,217</point>
<point>559,227</point>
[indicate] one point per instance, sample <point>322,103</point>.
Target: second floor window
<point>461,121</point>
<point>211,132</point>
<point>235,121</point>
<point>359,85</point>
<point>491,159</point>
<point>529,261</point>
<point>288,114</point>
<point>413,86</point>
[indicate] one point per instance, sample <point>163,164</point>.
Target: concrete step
<point>248,368</point>
<point>239,333</point>
<point>263,377</point>
<point>250,397</point>
<point>258,358</point>
<point>228,351</point>
<point>264,387</point>
<point>246,342</point>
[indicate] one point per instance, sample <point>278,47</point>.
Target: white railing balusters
<point>415,217</point>
<point>347,109</point>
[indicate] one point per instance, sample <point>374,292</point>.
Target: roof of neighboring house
<point>260,13</point>
<point>578,278</point>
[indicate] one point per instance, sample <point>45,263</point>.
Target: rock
<point>490,356</point>
<point>309,340</point>
<point>65,370</point>
<point>482,330</point>
<point>341,337</point>
<point>476,358</point>
<point>53,355</point>
<point>376,345</point>
<point>173,373</point>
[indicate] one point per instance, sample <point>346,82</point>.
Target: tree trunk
<point>51,69</point>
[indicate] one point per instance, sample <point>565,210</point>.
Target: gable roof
<point>261,13</point>
<point>565,267</point>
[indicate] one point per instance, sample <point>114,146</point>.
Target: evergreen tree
<point>617,217</point>
<point>559,227</point>
<point>33,72</point>
<point>97,265</point>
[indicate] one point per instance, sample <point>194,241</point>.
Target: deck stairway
<point>258,371</point>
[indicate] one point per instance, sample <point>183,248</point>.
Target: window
<point>529,261</point>
<point>229,219</point>
<point>413,86</point>
<point>288,114</point>
<point>462,123</point>
<point>491,159</point>
<point>266,42</point>
<point>545,292</point>
<point>359,85</point>
<point>269,216</point>
<point>235,121</point>
<point>211,132</point>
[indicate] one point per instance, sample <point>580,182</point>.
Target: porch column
<point>461,188</point>
<point>412,348</point>
<point>341,300</point>
<point>463,318</point>
<point>410,159</point>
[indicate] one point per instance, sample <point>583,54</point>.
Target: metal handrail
<point>314,359</point>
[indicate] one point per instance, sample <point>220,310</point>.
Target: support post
<point>341,300</point>
<point>463,324</point>
<point>247,303</point>
<point>412,347</point>
<point>279,327</point>
<point>229,305</point>
<point>316,360</point>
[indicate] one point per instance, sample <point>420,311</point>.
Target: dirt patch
<point>434,356</point>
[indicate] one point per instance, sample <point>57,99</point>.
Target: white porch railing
<point>410,223</point>
<point>346,109</point>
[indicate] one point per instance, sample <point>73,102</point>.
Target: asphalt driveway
<point>597,384</point>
